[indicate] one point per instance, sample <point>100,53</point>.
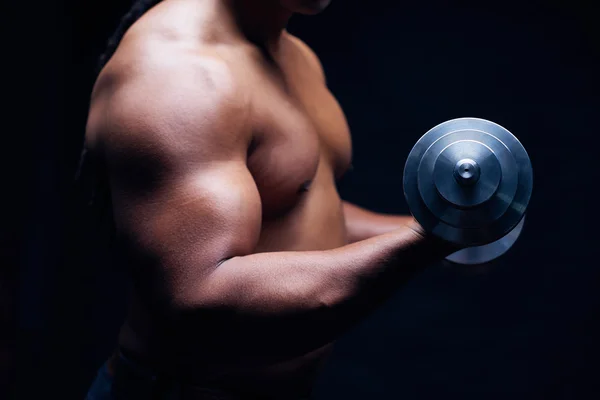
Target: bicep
<point>183,197</point>
<point>185,227</point>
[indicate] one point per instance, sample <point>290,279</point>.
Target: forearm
<point>284,304</point>
<point>362,224</point>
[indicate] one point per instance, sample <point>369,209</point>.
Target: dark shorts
<point>132,380</point>
<point>102,385</point>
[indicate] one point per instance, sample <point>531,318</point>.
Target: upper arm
<point>183,198</point>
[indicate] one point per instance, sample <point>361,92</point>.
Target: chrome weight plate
<point>487,252</point>
<point>468,181</point>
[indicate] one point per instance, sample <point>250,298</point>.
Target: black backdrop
<point>523,327</point>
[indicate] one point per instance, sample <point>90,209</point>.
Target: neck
<point>261,21</point>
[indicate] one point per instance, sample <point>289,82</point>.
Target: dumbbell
<point>468,181</point>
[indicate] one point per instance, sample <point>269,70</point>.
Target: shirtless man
<point>222,145</point>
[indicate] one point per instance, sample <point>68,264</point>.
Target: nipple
<point>305,186</point>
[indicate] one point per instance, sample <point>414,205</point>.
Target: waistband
<point>135,380</point>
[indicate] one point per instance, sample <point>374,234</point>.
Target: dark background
<point>525,326</point>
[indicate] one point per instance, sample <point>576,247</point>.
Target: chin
<point>307,7</point>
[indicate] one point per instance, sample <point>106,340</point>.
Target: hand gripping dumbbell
<point>468,181</point>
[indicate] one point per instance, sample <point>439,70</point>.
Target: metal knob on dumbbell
<point>469,181</point>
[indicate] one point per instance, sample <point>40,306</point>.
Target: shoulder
<point>168,97</point>
<point>308,53</point>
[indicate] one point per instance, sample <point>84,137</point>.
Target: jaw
<point>306,7</point>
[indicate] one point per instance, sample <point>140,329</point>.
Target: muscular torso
<point>300,145</point>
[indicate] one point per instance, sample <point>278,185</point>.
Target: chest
<point>299,132</point>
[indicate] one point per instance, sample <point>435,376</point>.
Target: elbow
<point>210,293</point>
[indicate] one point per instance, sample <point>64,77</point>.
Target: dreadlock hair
<point>138,8</point>
<point>91,188</point>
